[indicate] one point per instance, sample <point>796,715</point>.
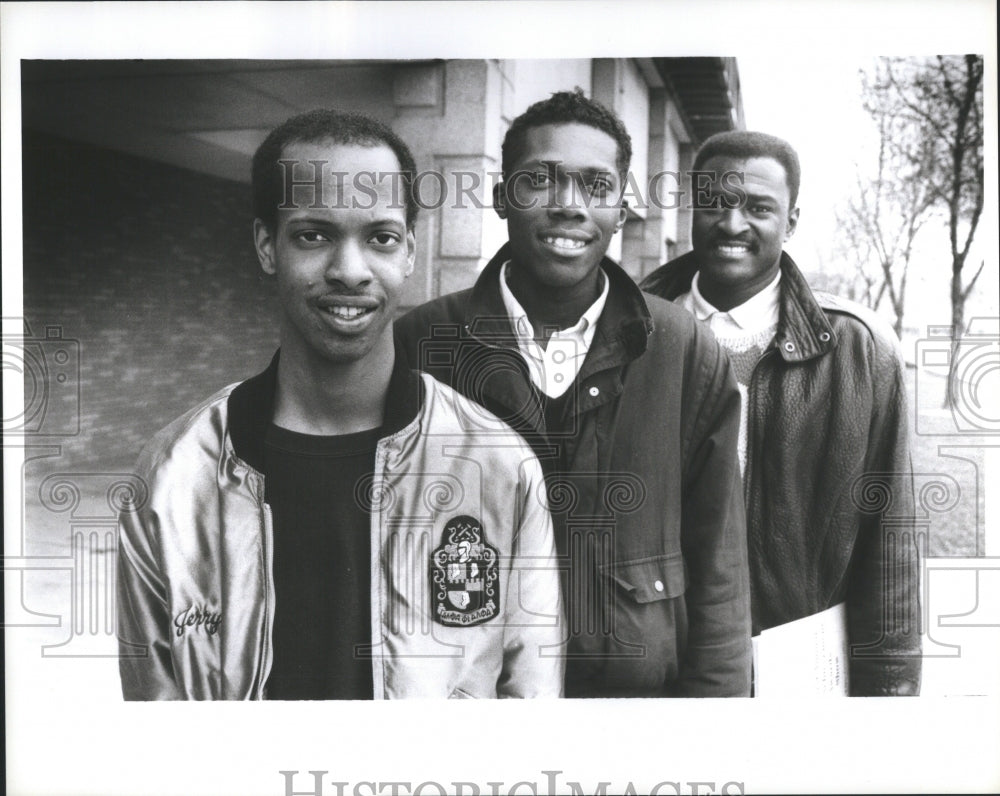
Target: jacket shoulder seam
<point>470,411</point>
<point>835,305</point>
<point>176,430</point>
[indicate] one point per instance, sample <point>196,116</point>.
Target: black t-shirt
<point>322,563</point>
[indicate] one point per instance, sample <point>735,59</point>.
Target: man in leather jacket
<point>630,406</point>
<point>339,526</point>
<point>824,437</point>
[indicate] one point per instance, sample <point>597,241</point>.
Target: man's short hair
<point>744,144</point>
<point>566,107</point>
<point>316,126</point>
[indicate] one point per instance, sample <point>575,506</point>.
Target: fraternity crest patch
<point>464,575</point>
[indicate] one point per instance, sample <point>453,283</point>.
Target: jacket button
<point>658,585</point>
<point>594,392</point>
<point>789,346</point>
<point>824,336</point>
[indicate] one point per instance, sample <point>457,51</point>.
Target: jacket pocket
<point>649,624</point>
<point>646,580</point>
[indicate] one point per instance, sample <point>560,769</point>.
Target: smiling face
<point>340,268</point>
<point>739,248</point>
<point>562,204</point>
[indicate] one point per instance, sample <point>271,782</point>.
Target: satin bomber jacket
<point>465,598</point>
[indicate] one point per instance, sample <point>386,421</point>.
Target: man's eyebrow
<point>536,162</point>
<point>593,171</point>
<point>312,220</point>
<point>378,221</point>
<point>386,221</point>
<point>757,196</point>
<point>304,219</point>
<point>586,171</point>
<point>757,193</point>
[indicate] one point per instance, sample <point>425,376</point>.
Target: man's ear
<point>264,244</point>
<point>793,221</point>
<point>411,251</point>
<point>622,215</point>
<point>499,199</point>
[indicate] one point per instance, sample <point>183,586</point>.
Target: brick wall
<point>152,269</point>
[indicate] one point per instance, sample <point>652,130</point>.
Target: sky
<point>818,110</point>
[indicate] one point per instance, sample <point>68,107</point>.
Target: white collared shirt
<point>749,326</point>
<point>757,313</point>
<point>555,367</point>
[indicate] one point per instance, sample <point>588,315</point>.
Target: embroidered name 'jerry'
<point>197,616</point>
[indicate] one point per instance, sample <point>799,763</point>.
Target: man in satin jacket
<point>339,526</point>
<point>824,429</point>
<point>630,405</point>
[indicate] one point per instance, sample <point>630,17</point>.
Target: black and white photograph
<point>637,362</point>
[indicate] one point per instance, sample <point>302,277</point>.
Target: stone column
<point>449,113</point>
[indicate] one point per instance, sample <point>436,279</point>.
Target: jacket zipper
<point>375,575</point>
<point>751,405</point>
<point>264,665</point>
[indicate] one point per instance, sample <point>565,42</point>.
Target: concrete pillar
<point>685,164</point>
<point>449,113</point>
<point>619,84</point>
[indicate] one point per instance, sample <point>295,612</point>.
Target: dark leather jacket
<point>645,493</point>
<point>828,481</point>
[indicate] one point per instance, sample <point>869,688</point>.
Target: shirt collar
<point>584,328</point>
<point>251,407</point>
<point>759,311</point>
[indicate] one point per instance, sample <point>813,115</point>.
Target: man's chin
<point>566,279</point>
<point>348,349</point>
<point>724,270</point>
<point>565,273</point>
<point>347,354</point>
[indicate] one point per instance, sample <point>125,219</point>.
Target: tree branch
<point>972,284</point>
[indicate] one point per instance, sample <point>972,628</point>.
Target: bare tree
<point>859,281</point>
<point>880,221</point>
<point>936,110</point>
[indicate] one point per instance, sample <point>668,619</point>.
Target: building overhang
<point>707,93</point>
